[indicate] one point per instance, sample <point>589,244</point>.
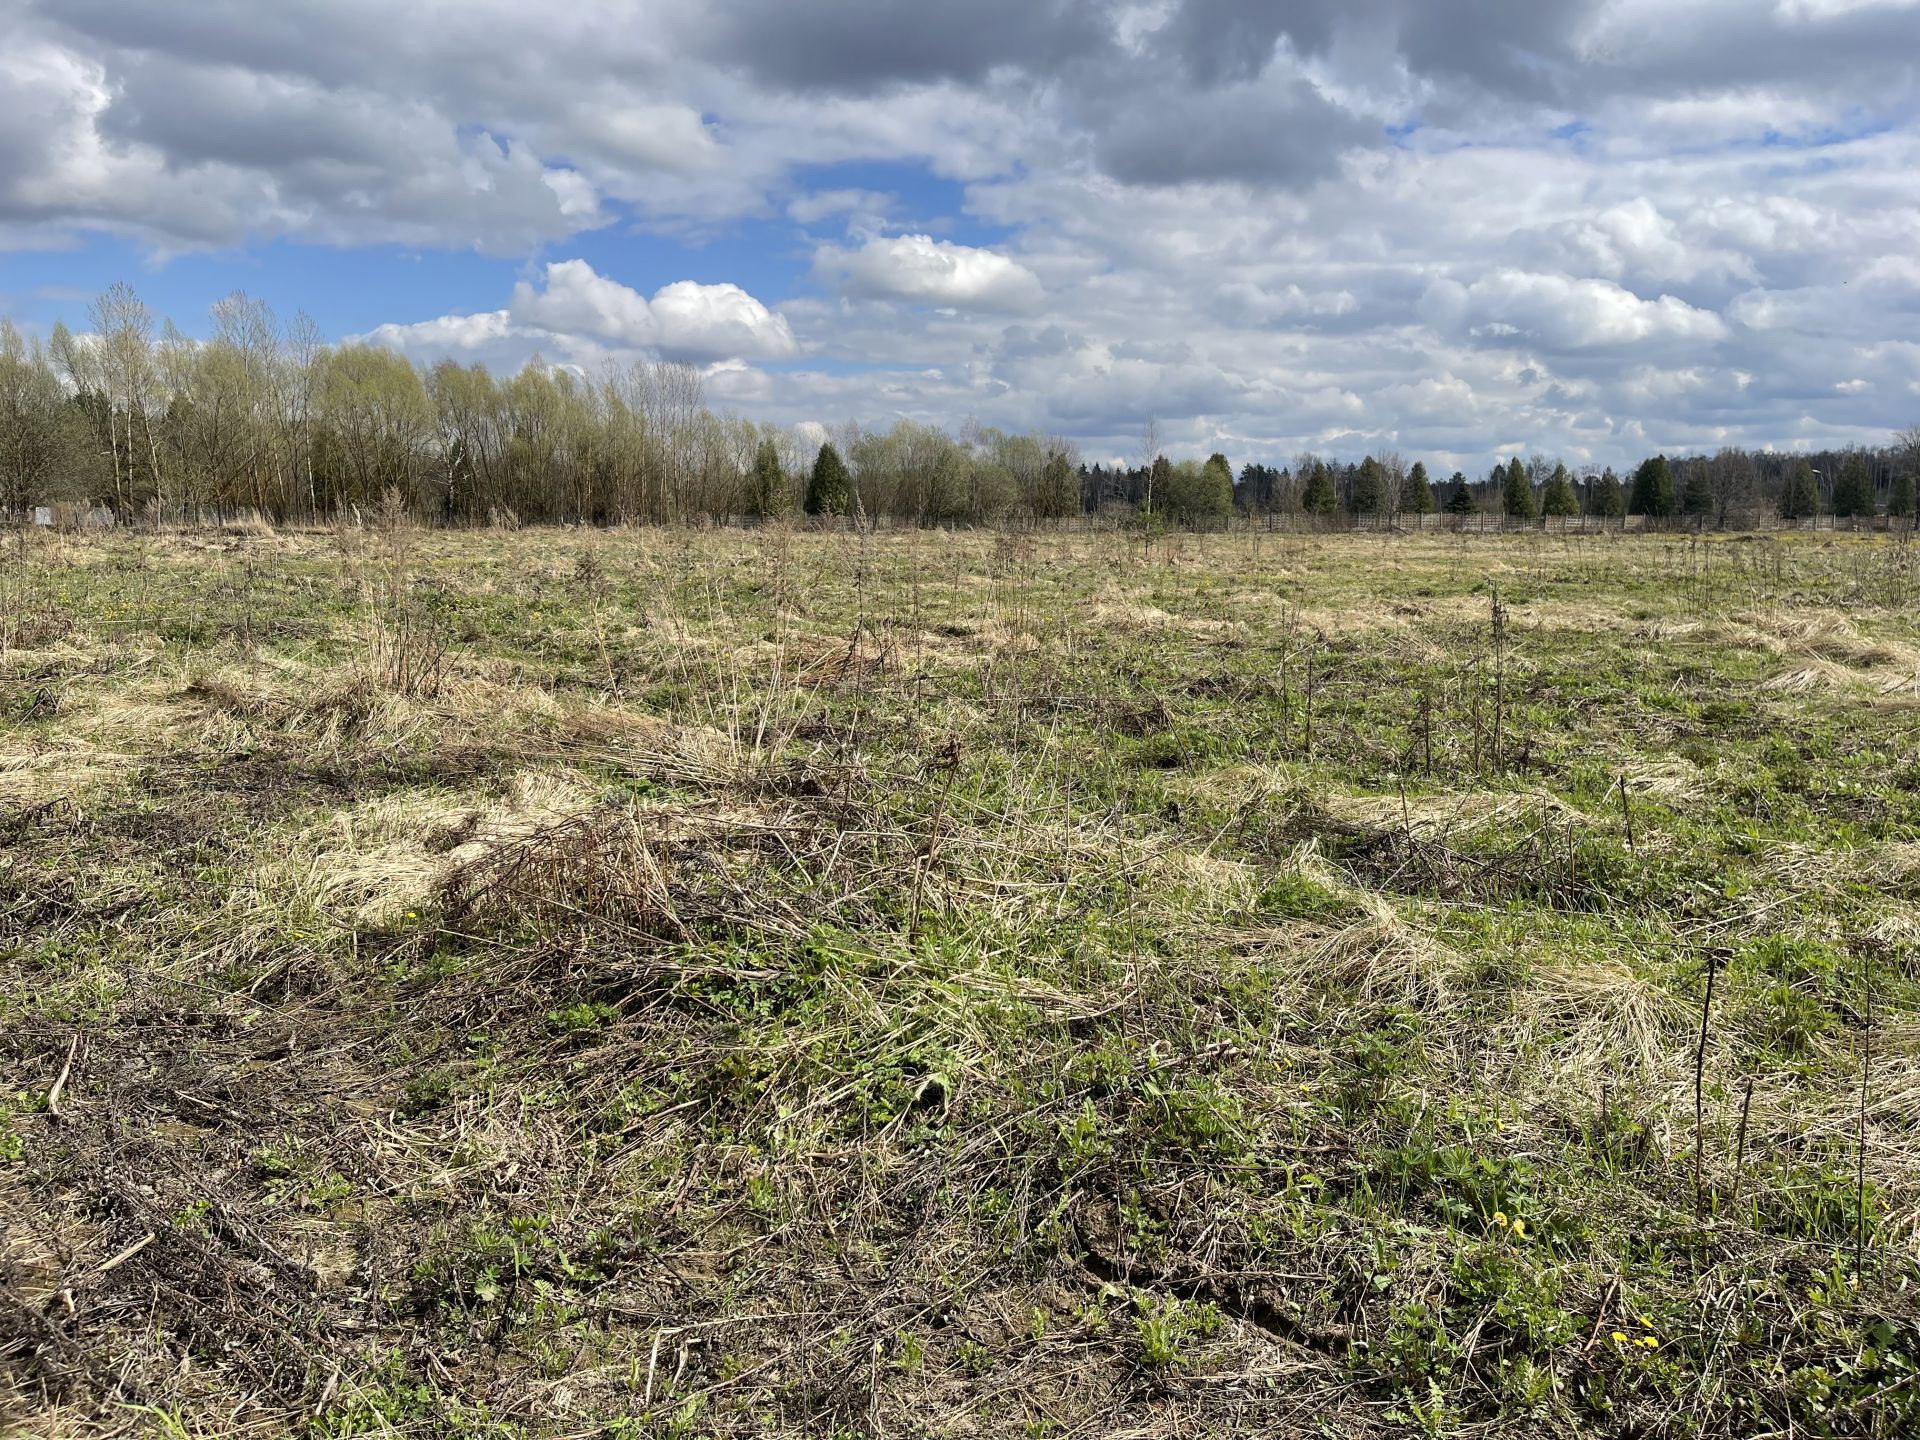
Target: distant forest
<point>264,417</point>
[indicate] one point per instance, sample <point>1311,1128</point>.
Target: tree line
<point>264,416</point>
<point>1731,487</point>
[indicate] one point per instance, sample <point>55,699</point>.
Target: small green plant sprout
<point>1084,1141</point>
<point>973,1357</point>
<point>1160,1335</point>
<point>909,1351</point>
<point>1166,1328</point>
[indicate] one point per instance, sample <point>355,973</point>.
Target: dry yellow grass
<point>644,982</point>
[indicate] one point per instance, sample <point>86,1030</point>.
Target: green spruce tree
<point>1609,495</point>
<point>769,494</point>
<point>1417,499</point>
<point>1560,498</point>
<point>1800,495</point>
<point>1653,492</point>
<point>1853,488</point>
<point>1460,501</point>
<point>1369,487</point>
<point>1319,497</point>
<point>1696,498</point>
<point>829,489</point>
<point>1516,492</point>
<point>1900,497</point>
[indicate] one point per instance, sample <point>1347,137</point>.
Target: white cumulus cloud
<point>695,320</point>
<point>580,313</point>
<point>1562,313</point>
<point>936,272</point>
<point>685,319</point>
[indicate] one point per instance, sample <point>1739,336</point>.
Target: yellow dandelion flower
<point>1651,1343</point>
<point>1500,1218</point>
<point>1619,1337</point>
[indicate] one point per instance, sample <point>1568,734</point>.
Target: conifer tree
<point>1418,496</point>
<point>1460,502</point>
<point>1696,499</point>
<point>769,494</point>
<point>1516,492</point>
<point>829,491</point>
<point>1319,497</point>
<point>1368,487</point>
<point>1609,495</point>
<point>1900,497</point>
<point>1653,493</point>
<point>1800,496</point>
<point>1560,498</point>
<point>1853,489</point>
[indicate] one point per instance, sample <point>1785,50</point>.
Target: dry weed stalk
<point>1498,632</point>
<point>406,650</point>
<point>1699,1088</point>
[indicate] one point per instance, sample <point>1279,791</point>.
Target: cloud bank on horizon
<point>1459,228</point>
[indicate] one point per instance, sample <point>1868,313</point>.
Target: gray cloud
<point>858,46</point>
<point>1524,48</point>
<point>230,116</point>
<point>1231,41</point>
<point>1270,132</point>
<point>1798,46</point>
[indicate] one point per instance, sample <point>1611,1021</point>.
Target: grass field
<point>649,983</point>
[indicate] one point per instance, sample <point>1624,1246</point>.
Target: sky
<point>1458,229</point>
